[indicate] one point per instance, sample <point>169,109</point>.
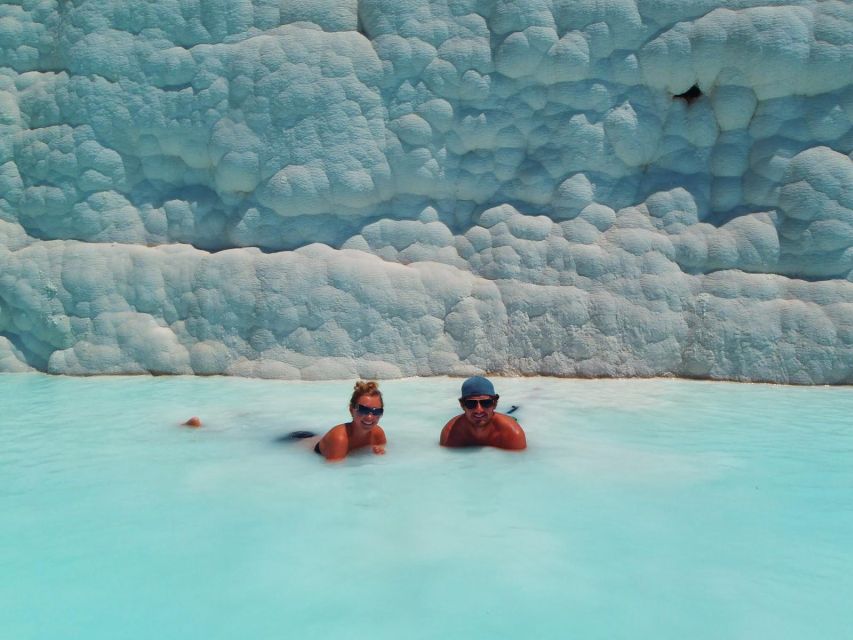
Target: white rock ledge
<point>384,188</point>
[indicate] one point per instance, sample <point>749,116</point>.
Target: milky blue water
<point>642,509</point>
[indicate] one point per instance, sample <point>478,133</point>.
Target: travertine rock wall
<point>382,188</point>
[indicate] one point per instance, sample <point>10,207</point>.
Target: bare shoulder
<point>452,421</point>
<point>444,441</point>
<point>507,422</point>
<point>335,444</point>
<point>510,433</point>
<point>339,431</point>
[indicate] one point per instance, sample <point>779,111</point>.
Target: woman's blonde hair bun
<point>365,388</point>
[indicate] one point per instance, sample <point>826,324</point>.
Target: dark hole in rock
<point>693,93</point>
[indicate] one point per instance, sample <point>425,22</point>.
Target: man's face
<point>479,410</point>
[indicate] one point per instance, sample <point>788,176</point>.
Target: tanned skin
<point>483,427</point>
<point>361,432</point>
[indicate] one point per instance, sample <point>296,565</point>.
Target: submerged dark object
<point>512,409</point>
<point>295,435</point>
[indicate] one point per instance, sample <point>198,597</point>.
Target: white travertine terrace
<point>378,188</point>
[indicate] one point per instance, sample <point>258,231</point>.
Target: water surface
<point>642,509</point>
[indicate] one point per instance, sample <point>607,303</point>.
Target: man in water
<point>480,425</point>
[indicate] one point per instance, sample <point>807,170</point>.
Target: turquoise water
<point>642,509</point>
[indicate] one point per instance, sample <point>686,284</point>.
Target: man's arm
<point>444,440</point>
<point>510,434</point>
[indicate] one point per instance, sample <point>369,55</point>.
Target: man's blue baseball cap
<point>477,386</point>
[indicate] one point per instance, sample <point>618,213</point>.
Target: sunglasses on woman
<point>369,411</point>
<point>486,403</point>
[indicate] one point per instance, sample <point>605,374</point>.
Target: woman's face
<point>364,413</point>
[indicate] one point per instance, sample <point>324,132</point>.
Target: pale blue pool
<point>642,509</point>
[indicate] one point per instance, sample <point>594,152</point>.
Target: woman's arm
<point>378,440</point>
<point>335,444</point>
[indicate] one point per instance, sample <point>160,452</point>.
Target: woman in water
<point>366,408</point>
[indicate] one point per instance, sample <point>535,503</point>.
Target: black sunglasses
<point>369,411</point>
<point>487,403</point>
